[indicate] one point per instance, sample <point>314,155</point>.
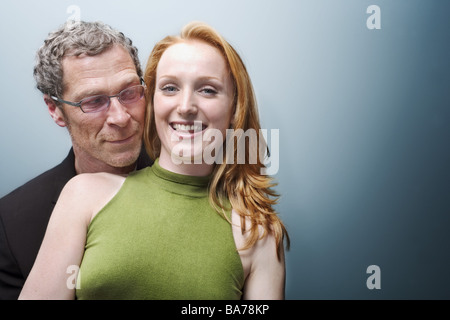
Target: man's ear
<point>55,112</point>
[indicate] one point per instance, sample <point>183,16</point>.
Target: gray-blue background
<point>363,117</point>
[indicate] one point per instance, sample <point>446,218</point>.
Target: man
<point>91,81</point>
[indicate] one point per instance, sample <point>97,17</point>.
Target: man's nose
<point>117,113</point>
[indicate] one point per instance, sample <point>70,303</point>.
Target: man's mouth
<point>122,141</point>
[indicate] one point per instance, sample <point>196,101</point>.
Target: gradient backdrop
<point>363,116</point>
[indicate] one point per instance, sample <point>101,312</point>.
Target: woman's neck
<point>184,167</point>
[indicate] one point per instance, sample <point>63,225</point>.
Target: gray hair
<point>74,39</point>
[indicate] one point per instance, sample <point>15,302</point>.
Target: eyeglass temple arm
<point>75,104</point>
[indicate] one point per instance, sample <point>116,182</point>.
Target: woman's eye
<point>169,89</point>
<point>208,91</point>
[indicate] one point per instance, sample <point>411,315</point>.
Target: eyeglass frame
<point>78,104</point>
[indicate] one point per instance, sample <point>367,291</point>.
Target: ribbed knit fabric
<point>159,238</point>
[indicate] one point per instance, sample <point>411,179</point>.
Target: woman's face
<point>193,99</point>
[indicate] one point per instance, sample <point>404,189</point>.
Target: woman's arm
<point>63,245</point>
<point>264,272</point>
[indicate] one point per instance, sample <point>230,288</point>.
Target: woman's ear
<point>55,112</point>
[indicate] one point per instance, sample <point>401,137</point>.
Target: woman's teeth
<point>187,127</point>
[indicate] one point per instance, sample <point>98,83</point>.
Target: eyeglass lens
<point>101,102</point>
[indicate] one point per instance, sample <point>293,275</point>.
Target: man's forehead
<point>110,68</point>
<point>109,54</point>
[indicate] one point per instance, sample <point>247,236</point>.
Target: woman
<point>185,228</point>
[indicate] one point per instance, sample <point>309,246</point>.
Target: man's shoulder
<point>24,215</point>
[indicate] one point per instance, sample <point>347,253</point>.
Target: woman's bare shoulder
<point>89,192</point>
<point>91,181</point>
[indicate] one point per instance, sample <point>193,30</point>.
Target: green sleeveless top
<point>159,238</point>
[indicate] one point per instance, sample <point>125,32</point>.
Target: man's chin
<point>123,162</point>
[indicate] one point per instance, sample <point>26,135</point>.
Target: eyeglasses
<point>102,102</point>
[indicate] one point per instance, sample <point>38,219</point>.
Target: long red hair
<point>249,192</point>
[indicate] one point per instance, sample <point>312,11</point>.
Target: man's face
<point>108,140</point>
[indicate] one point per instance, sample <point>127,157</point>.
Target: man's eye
<point>130,94</point>
<point>95,101</point>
